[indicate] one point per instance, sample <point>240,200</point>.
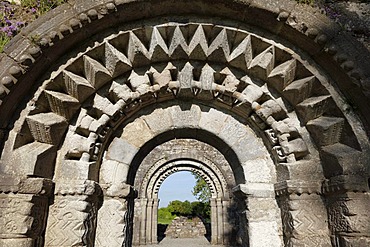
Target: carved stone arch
<point>151,189</point>
<point>219,193</point>
<point>59,109</point>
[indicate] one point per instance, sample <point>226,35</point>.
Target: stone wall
<point>183,227</point>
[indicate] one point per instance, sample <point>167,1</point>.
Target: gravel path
<point>186,242</point>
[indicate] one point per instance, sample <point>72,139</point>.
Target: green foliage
<point>164,216</point>
<point>41,6</point>
<point>201,190</point>
<point>180,208</point>
<point>187,209</point>
<point>4,39</point>
<point>14,17</point>
<point>201,209</point>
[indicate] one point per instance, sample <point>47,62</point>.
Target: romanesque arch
<point>100,103</point>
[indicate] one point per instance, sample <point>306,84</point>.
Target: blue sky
<point>177,186</point>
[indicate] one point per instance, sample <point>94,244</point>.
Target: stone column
<point>112,217</point>
<point>149,211</point>
<point>262,215</point>
<point>213,221</point>
<point>303,214</point>
<point>23,211</point>
<point>143,220</point>
<point>155,221</point>
<point>226,225</point>
<point>72,216</point>
<point>220,224</point>
<point>347,194</point>
<point>348,208</point>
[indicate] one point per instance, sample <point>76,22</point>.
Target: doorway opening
<point>184,207</point>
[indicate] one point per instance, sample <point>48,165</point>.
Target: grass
<point>4,39</point>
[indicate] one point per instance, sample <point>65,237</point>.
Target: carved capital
<point>345,183</point>
<point>297,187</point>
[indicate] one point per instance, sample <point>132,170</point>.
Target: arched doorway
<point>266,99</point>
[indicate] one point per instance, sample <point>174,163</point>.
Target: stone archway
<point>268,98</point>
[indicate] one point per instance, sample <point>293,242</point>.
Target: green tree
<point>201,190</point>
<point>201,209</point>
<point>165,216</point>
<point>180,208</point>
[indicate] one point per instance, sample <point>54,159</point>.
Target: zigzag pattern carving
<point>187,60</point>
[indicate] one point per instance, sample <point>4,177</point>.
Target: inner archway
<point>179,201</point>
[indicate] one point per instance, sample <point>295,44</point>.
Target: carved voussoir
<point>326,130</point>
<point>340,159</point>
<point>47,127</point>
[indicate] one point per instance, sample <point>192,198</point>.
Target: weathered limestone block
<point>122,151</point>
<point>304,219</point>
<point>137,133</point>
<point>299,90</point>
<point>259,170</point>
<point>47,127</point>
<point>241,57</point>
<point>212,120</point>
<point>37,159</point>
<point>185,116</point>
<point>158,121</point>
<point>262,65</point>
<point>326,130</point>
<point>261,212</point>
<point>72,216</point>
<point>299,170</point>
<point>314,107</point>
<point>77,86</point>
<point>115,61</point>
<point>95,72</point>
<point>23,214</point>
<point>112,171</point>
<point>111,223</point>
<point>62,104</point>
<point>281,76</point>
<point>339,159</point>
<point>76,169</point>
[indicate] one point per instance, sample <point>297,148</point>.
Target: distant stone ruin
<point>183,227</point>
